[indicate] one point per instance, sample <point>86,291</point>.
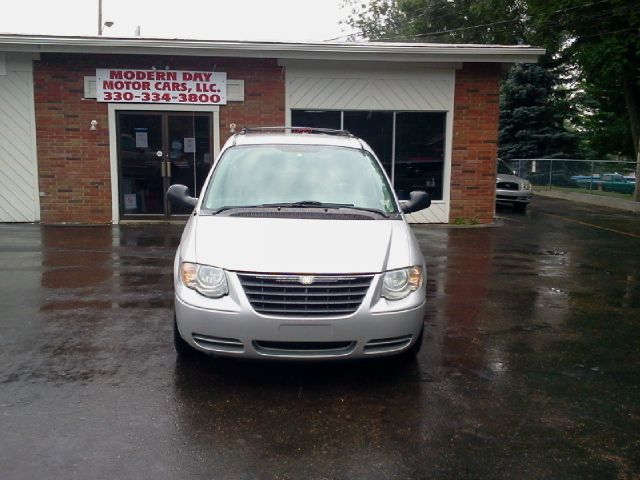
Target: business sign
<point>161,86</point>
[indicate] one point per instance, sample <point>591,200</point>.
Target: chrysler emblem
<point>306,279</point>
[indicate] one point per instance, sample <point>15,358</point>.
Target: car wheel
<point>183,349</point>
<point>519,207</point>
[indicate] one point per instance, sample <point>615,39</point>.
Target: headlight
<point>209,281</point>
<point>397,284</point>
<point>526,185</point>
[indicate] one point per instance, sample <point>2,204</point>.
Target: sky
<point>252,20</point>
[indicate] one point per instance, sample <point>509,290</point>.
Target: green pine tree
<point>530,123</point>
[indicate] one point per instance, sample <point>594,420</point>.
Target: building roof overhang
<point>364,51</point>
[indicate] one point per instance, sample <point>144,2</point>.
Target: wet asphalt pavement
<point>530,366</point>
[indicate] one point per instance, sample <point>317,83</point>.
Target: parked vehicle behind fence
<point>512,189</point>
<point>607,182</point>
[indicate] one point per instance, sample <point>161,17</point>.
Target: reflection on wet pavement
<point>529,369</point>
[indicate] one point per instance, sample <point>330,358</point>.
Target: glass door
<point>189,161</point>
<point>140,150</point>
<point>157,150</point>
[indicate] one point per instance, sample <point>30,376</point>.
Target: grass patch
<point>465,221</point>
<point>624,196</point>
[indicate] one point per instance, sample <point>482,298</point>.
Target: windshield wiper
<point>316,204</point>
<point>300,204</point>
<point>229,207</point>
<point>307,204</point>
<point>372,210</point>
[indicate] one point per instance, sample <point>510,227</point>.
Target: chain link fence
<point>598,177</point>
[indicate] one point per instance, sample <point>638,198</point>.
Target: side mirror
<point>419,200</point>
<point>178,195</point>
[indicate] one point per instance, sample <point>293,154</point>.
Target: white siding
<point>438,212</point>
<point>369,89</point>
<point>332,86</point>
<point>19,201</point>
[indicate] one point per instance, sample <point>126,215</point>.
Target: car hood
<point>502,177</point>
<point>300,245</point>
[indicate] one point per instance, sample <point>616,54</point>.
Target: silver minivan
<point>298,249</point>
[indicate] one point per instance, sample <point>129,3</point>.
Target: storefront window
<point>419,143</point>
<point>419,153</point>
<point>316,119</point>
<point>375,128</point>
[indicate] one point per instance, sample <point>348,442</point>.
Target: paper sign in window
<point>142,139</point>
<point>130,201</point>
<point>189,145</point>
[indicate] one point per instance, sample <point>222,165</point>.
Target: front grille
<point>508,186</point>
<point>286,295</point>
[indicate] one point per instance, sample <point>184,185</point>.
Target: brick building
<point>94,130</point>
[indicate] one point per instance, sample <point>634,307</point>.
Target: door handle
<point>168,162</point>
<point>163,169</point>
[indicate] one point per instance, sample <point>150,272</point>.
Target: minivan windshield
<point>298,175</point>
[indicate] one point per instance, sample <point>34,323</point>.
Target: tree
<point>593,45</point>
<point>462,21</point>
<point>606,120</point>
<point>528,130</point>
<point>530,125</point>
<point>600,41</point>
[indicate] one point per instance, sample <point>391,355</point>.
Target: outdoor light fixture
<point>106,24</point>
<point>101,26</point>
<point>94,125</point>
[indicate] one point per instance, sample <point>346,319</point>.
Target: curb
<point>601,201</point>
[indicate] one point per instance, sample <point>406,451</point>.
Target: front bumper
<point>230,327</point>
<point>511,196</point>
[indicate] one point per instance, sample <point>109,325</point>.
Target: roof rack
<point>330,131</point>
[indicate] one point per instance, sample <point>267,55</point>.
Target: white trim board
<point>367,51</point>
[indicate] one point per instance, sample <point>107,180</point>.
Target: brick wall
<point>73,162</point>
<point>74,165</point>
<point>475,135</point>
